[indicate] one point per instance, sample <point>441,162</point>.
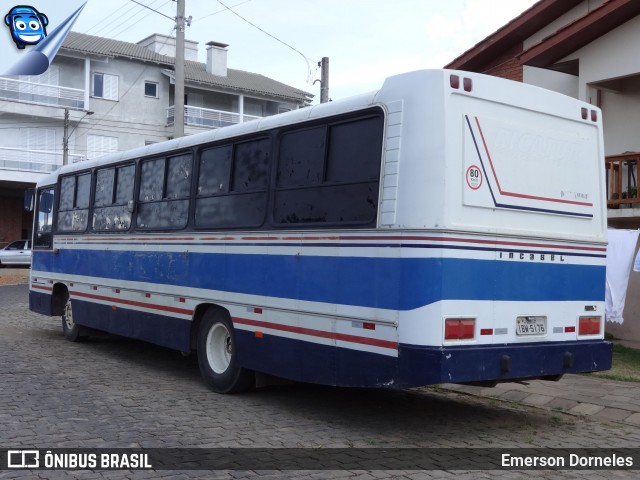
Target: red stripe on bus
<point>181,311</point>
<point>373,239</point>
<point>40,287</point>
<point>318,333</point>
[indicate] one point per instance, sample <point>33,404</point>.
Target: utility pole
<point>65,139</point>
<point>178,102</point>
<point>324,80</point>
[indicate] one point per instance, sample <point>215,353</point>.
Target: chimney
<point>217,58</point>
<point>165,45</point>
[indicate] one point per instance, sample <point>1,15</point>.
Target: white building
<point>117,95</point>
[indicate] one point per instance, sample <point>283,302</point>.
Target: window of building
<point>165,186</point>
<point>113,192</point>
<point>151,89</point>
<point>38,147</point>
<point>99,145</point>
<point>105,86</point>
<point>73,209</point>
<point>232,185</point>
<point>329,174</point>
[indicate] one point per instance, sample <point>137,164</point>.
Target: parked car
<point>16,253</point>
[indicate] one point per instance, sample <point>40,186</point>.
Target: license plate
<point>531,325</point>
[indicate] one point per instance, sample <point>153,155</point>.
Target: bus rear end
<point>502,211</point>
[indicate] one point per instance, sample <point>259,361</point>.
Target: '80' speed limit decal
<point>474,177</point>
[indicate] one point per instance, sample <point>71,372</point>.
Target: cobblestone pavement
<point>111,392</point>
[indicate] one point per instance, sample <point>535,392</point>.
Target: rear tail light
<point>459,328</point>
<point>589,325</point>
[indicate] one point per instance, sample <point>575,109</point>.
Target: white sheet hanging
<point>622,246</point>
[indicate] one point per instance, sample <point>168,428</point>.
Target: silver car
<point>16,253</point>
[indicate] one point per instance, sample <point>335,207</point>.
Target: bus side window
<point>44,220</point>
<point>73,211</point>
<point>114,190</point>
<point>330,175</point>
<point>165,185</point>
<point>232,185</point>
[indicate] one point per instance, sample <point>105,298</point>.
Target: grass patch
<point>625,367</point>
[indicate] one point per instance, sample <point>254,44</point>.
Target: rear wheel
<point>217,355</point>
<point>71,330</point>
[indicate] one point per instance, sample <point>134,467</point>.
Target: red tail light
<point>459,328</point>
<point>589,325</point>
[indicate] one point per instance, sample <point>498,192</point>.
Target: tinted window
<point>250,166</point>
<point>44,219</point>
<point>73,210</point>
<point>83,191</point>
<point>124,184</point>
<point>152,180</point>
<point>232,185</point>
<point>330,175</point>
<point>179,177</point>
<point>104,187</point>
<point>301,157</point>
<point>114,190</point>
<point>355,149</point>
<point>215,170</point>
<point>67,193</point>
<point>165,186</point>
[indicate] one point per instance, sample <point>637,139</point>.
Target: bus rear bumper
<point>421,365</point>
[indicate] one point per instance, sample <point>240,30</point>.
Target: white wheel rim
<point>219,349</point>
<point>68,315</point>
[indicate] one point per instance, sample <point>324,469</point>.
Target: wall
<point>578,11</point>
<point>551,80</point>
<point>11,227</point>
<point>621,112</point>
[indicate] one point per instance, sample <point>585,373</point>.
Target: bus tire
<point>71,330</point>
<point>217,355</point>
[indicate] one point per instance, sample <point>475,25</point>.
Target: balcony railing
<point>44,161</point>
<point>622,180</point>
<point>208,118</point>
<point>40,94</point>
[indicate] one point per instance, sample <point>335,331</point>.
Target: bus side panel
<point>314,363</point>
<point>158,329</point>
<point>40,302</point>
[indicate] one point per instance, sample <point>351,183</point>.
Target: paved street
<point>111,392</point>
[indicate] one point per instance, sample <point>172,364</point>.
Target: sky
<point>365,40</point>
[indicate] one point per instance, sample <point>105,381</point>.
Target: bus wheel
<point>217,355</point>
<point>71,330</point>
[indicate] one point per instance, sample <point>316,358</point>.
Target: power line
<point>306,59</point>
<point>129,22</point>
<point>154,10</point>
<point>103,26</point>
<point>138,19</point>
<point>220,11</point>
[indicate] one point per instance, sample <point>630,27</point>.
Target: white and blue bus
<point>449,227</point>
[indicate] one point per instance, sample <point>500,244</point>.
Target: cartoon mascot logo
<point>27,25</point>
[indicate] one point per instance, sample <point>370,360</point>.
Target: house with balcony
<point>102,95</point>
<point>587,49</point>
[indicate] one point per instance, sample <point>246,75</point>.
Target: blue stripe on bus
<point>389,283</point>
